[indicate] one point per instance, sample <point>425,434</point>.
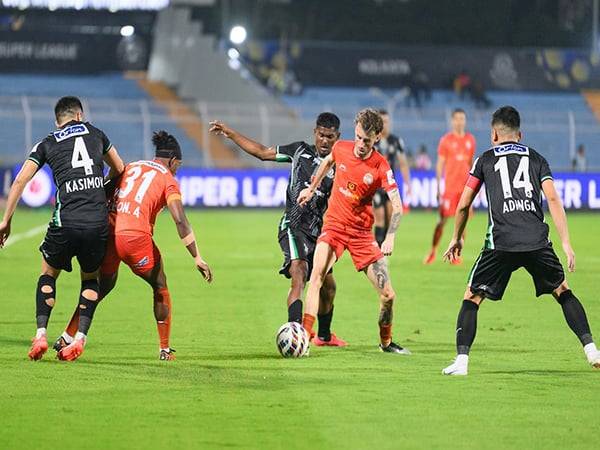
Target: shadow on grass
<point>14,342</point>
<point>549,372</point>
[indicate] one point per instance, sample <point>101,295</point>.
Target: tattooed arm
<point>387,247</point>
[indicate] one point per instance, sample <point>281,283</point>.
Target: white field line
<point>14,238</point>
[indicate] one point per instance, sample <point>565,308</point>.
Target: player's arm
<point>184,229</point>
<point>325,166</point>
<point>116,168</point>
<point>560,220</point>
<point>250,146</point>
<point>387,246</point>
<point>462,217</point>
<point>26,173</point>
<point>439,170</point>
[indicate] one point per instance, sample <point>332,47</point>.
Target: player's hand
<point>204,269</point>
<point>4,232</point>
<point>219,128</point>
<point>570,257</point>
<point>387,246</point>
<point>305,195</point>
<point>454,250</point>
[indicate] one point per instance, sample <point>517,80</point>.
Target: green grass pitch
<point>529,384</point>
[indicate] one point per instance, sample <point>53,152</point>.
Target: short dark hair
<point>67,106</point>
<point>383,112</point>
<point>508,117</point>
<point>458,111</point>
<point>166,145</point>
<point>370,120</point>
<point>328,120</point>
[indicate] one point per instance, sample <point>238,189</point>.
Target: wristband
<point>190,238</point>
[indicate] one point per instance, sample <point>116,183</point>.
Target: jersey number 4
<point>521,179</point>
<point>81,157</point>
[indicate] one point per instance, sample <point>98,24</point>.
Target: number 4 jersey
<point>75,155</point>
<point>144,190</point>
<point>513,175</point>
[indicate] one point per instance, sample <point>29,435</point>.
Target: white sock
<point>590,350</point>
<point>168,349</point>
<point>67,337</point>
<point>41,332</point>
<point>80,336</point>
<point>462,360</point>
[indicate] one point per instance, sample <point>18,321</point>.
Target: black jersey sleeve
<point>545,172</point>
<point>38,153</point>
<point>106,144</point>
<point>285,153</point>
<point>477,169</point>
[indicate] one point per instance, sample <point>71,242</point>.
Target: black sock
<point>325,325</point>
<point>87,307</point>
<point>380,233</point>
<point>575,316</point>
<point>295,311</point>
<point>42,308</point>
<point>466,327</point>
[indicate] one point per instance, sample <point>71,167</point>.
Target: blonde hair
<point>370,121</point>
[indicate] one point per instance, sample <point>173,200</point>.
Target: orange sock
<point>73,326</point>
<point>385,334</point>
<point>164,326</point>
<point>307,322</point>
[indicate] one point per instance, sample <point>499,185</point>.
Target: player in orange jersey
<point>145,188</point>
<point>455,157</point>
<point>359,171</point>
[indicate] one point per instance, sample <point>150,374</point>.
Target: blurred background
<point>268,67</point>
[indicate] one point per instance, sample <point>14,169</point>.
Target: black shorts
<point>380,198</point>
<point>296,245</point>
<point>492,270</point>
<point>88,245</point>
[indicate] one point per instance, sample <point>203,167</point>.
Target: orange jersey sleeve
<point>144,190</point>
<point>442,148</point>
<point>386,176</point>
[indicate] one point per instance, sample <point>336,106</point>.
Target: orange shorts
<point>138,251</point>
<point>362,245</point>
<point>449,204</point>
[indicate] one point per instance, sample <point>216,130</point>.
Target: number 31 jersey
<point>144,190</point>
<point>513,175</point>
<point>75,155</point>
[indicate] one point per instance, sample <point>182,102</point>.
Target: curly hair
<point>370,121</point>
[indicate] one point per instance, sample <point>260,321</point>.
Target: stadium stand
<point>113,102</point>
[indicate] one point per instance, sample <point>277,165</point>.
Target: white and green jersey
<point>305,160</point>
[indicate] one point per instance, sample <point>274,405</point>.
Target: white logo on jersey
<point>368,179</point>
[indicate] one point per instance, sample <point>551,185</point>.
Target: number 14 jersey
<point>513,175</point>
<point>144,190</point>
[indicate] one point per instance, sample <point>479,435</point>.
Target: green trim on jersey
<point>293,247</point>
<point>489,237</point>
<point>284,222</point>
<point>547,177</point>
<point>280,157</point>
<point>107,149</point>
<point>56,215</point>
<point>31,158</point>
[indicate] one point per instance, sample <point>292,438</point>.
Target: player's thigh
<point>545,269</point>
<point>378,274</point>
<point>110,263</point>
<point>449,203</point>
<point>138,251</point>
<point>364,250</point>
<point>91,248</point>
<point>323,261</point>
<point>154,273</point>
<point>491,273</point>
<point>57,250</point>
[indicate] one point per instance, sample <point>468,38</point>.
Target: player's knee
<point>560,290</point>
<point>298,273</point>
<point>329,289</point>
<point>387,295</point>
<point>47,287</point>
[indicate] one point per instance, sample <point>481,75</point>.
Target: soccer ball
<point>292,340</point>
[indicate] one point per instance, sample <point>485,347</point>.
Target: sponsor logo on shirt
<point>351,186</point>
<point>507,149</point>
<point>73,130</point>
<point>343,167</point>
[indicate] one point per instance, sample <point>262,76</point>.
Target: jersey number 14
<point>521,180</point>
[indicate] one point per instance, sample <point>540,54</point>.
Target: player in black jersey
<point>299,227</point>
<point>392,147</point>
<point>76,153</point>
<point>515,176</point>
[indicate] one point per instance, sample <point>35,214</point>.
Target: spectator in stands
<point>479,96</point>
<point>422,161</point>
<point>462,84</point>
<point>579,161</point>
